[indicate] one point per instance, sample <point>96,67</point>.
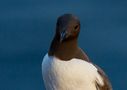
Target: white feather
<point>74,74</point>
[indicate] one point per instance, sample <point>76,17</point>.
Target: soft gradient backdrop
<point>27,28</point>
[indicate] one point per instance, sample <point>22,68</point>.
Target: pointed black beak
<point>62,36</point>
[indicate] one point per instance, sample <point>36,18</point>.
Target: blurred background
<point>27,28</point>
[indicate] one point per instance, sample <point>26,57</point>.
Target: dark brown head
<point>67,27</point>
<point>64,45</point>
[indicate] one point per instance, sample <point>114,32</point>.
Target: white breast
<point>75,74</point>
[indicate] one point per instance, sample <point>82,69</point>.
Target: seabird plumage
<point>66,66</point>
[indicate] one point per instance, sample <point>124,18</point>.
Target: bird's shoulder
<point>107,85</point>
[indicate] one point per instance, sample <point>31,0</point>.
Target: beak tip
<point>62,36</point>
<point>61,40</point>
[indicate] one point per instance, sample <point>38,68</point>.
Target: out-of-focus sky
<point>27,28</point>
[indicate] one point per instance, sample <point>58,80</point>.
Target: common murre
<point>66,66</point>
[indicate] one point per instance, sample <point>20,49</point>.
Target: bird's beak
<point>62,36</point>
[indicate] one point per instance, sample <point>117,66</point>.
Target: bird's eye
<point>76,27</point>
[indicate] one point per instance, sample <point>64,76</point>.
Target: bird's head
<point>67,27</point>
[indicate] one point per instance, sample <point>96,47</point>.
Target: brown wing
<point>107,84</point>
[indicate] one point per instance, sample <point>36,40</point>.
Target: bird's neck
<point>65,50</point>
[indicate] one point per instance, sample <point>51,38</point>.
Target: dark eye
<point>76,27</point>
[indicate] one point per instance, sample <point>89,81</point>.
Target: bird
<point>66,66</point>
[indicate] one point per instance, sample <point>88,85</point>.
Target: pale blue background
<point>27,27</point>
